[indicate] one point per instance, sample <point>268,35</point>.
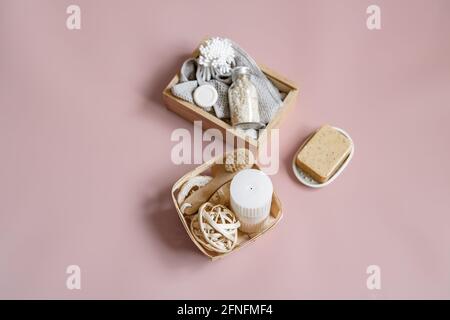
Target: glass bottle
<point>243,100</point>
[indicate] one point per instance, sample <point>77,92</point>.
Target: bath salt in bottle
<point>243,100</point>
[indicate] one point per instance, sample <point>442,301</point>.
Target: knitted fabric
<point>188,83</point>
<point>270,98</point>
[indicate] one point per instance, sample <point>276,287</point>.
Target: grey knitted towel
<point>188,83</point>
<point>270,98</point>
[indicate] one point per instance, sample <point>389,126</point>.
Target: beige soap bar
<point>324,153</point>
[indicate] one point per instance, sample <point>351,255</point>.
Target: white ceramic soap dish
<point>307,180</point>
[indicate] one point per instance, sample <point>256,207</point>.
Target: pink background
<point>85,146</point>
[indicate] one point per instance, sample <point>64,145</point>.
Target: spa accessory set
<point>250,102</point>
<point>219,85</point>
<point>226,203</point>
<point>229,201</point>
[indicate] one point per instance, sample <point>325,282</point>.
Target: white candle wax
<point>251,197</point>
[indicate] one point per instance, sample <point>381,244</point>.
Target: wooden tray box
<point>193,113</point>
<point>243,238</point>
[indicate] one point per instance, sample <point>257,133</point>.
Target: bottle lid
<point>240,70</point>
<point>205,96</point>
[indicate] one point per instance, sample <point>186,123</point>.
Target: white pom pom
<point>217,54</point>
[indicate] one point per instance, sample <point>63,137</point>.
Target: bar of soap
<point>324,153</point>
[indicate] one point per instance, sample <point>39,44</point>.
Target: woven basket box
<point>193,113</point>
<point>243,238</point>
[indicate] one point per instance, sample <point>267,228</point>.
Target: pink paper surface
<point>85,169</point>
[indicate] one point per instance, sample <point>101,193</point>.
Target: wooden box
<point>243,238</point>
<point>193,113</point>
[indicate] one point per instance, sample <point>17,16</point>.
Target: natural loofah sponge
<point>238,160</point>
<point>222,195</point>
<point>191,186</point>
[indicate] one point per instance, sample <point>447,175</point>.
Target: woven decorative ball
<point>238,160</point>
<point>215,228</point>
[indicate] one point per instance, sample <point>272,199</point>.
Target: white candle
<point>251,197</point>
